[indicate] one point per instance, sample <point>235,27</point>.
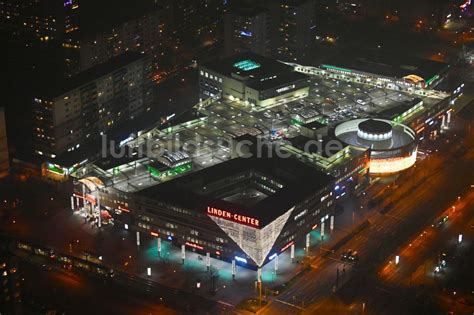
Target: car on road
<point>345,255</point>
<point>442,259</point>
<point>354,257</point>
<point>350,256</point>
<point>441,221</point>
<point>441,263</point>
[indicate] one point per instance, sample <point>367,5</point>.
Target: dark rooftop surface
<point>388,64</point>
<point>281,79</point>
<point>55,89</point>
<point>246,11</point>
<point>373,126</point>
<point>393,112</point>
<point>267,67</point>
<point>107,163</point>
<point>314,125</point>
<point>248,197</point>
<point>188,115</point>
<point>318,146</point>
<point>290,172</point>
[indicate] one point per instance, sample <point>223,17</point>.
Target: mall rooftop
<point>262,188</point>
<point>248,66</point>
<point>387,64</point>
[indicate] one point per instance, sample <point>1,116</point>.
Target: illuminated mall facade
<point>252,79</point>
<point>248,211</point>
<point>392,146</point>
<point>244,211</point>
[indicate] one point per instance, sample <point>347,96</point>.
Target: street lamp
<point>397,260</point>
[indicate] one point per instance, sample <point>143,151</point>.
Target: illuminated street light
<point>460,239</point>
<point>397,260</point>
<point>148,272</point>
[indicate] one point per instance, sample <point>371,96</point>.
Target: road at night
<point>376,244</point>
<point>49,288</point>
<point>77,294</point>
<point>410,211</point>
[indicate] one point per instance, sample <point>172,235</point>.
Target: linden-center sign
<point>238,218</point>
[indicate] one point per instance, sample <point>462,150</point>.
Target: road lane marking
<point>384,290</point>
<point>395,217</point>
<point>225,303</point>
<point>289,304</point>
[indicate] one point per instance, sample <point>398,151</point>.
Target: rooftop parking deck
<point>207,139</point>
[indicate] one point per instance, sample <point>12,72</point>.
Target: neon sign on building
<point>286,88</point>
<point>246,65</point>
<point>238,218</point>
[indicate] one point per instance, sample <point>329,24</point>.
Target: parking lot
<point>335,101</point>
<point>329,102</point>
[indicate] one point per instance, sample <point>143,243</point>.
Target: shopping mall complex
<point>260,161</point>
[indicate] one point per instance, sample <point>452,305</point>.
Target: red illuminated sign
<point>238,218</point>
<point>123,209</point>
<point>286,246</point>
<point>154,234</point>
<point>194,245</point>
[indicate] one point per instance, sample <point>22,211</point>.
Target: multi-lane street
<point>413,205</point>
<point>42,289</point>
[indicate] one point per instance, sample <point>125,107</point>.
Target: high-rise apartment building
<point>4,157</point>
<point>91,103</point>
<point>145,32</point>
<point>10,284</point>
<point>293,21</point>
<point>247,29</point>
<point>71,40</point>
<point>197,18</point>
<point>44,20</point>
